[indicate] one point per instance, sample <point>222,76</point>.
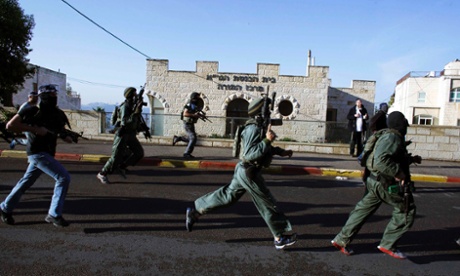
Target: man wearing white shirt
<point>357,117</point>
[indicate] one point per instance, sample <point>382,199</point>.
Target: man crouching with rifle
<point>126,148</point>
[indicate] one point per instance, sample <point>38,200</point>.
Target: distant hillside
<point>105,106</point>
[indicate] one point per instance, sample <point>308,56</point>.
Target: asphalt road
<point>135,226</point>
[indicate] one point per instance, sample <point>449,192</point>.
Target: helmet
<point>194,95</point>
<point>129,92</point>
<point>255,107</point>
<point>49,88</point>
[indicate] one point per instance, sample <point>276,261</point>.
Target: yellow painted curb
<point>273,169</point>
<point>428,178</point>
<point>336,172</point>
<point>180,164</point>
<point>14,153</point>
<point>94,158</point>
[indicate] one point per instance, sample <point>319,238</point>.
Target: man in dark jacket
<point>357,117</point>
<point>379,120</point>
<point>376,123</point>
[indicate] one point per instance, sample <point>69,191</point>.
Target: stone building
<point>305,103</point>
<point>46,76</point>
<point>430,97</point>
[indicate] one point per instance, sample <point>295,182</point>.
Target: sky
<point>376,40</point>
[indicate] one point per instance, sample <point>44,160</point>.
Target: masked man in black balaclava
<point>44,125</point>
<point>389,166</point>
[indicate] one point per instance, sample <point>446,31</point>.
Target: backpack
<point>370,144</point>
<point>115,116</point>
<point>236,149</point>
<point>237,141</point>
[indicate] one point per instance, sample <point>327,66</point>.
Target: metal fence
<point>225,127</point>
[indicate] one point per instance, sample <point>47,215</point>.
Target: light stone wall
<point>435,142</point>
<point>91,123</point>
<point>343,98</point>
<point>430,142</point>
<point>308,95</point>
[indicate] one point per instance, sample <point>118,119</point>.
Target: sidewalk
<point>301,163</point>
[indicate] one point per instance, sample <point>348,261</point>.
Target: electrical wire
<point>97,84</point>
<point>105,30</point>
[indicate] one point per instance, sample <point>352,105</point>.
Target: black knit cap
<point>396,120</point>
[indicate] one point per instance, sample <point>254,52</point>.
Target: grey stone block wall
<point>309,95</point>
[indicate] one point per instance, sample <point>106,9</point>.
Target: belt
<point>374,177</point>
<point>384,181</point>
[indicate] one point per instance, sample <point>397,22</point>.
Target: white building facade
<point>44,76</point>
<point>430,98</point>
<point>304,103</point>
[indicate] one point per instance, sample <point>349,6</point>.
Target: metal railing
<point>225,127</point>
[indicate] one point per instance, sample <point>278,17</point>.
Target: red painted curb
<point>68,156</point>
<point>301,170</point>
<point>217,165</point>
<point>150,161</point>
<point>452,179</point>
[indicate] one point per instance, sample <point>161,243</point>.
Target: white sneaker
<point>103,178</point>
<point>395,253</point>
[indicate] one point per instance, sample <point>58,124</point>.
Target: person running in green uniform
<point>257,152</point>
<point>389,167</point>
<point>126,148</point>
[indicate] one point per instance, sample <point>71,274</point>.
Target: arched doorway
<point>236,109</point>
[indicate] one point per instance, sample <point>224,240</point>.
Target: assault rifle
<point>74,135</point>
<point>139,103</point>
<point>5,134</point>
<point>409,186</point>
<point>202,116</point>
<point>266,111</point>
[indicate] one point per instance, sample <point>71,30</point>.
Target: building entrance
<point>237,114</point>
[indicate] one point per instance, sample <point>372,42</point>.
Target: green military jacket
<point>257,150</point>
<point>129,120</point>
<point>389,153</point>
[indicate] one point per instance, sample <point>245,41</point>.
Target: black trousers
<point>356,140</point>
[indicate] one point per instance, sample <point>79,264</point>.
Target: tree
<point>68,89</point>
<point>392,100</point>
<point>15,34</point>
<point>99,109</point>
